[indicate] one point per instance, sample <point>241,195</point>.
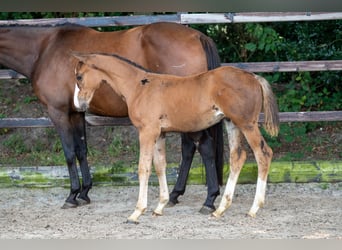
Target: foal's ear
<point>82,57</point>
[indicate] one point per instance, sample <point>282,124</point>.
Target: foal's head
<point>88,80</point>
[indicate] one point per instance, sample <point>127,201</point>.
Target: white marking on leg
<point>144,171</point>
<point>227,197</point>
<point>259,198</point>
<point>159,160</point>
<point>236,163</point>
<point>142,199</point>
<point>163,196</point>
<point>76,102</point>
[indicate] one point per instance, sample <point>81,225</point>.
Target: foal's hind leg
<point>237,159</point>
<point>159,162</point>
<point>263,155</point>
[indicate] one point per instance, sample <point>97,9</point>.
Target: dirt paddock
<point>292,211</point>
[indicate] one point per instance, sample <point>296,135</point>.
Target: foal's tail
<point>216,131</point>
<point>270,107</point>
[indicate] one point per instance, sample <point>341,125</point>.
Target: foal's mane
<point>125,60</point>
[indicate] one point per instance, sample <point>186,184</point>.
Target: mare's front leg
<point>80,140</point>
<point>237,159</point>
<point>159,161</point>
<point>144,171</point>
<point>65,129</point>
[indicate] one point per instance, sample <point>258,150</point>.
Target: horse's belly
<point>194,121</point>
<point>210,118</point>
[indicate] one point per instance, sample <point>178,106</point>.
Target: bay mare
<point>160,103</point>
<point>43,55</point>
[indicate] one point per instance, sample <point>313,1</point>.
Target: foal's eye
<point>79,78</point>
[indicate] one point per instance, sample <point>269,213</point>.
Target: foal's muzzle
<point>80,104</point>
<point>84,106</point>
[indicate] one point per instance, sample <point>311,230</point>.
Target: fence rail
<point>185,18</point>
<point>93,120</point>
<point>182,18</point>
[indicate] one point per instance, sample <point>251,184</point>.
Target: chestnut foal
<point>160,103</point>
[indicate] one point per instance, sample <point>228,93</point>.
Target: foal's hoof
<point>68,205</point>
<point>215,215</point>
<point>251,215</point>
<point>154,214</point>
<point>132,222</point>
<point>206,210</point>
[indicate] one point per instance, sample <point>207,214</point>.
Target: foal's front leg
<point>144,171</point>
<point>159,161</point>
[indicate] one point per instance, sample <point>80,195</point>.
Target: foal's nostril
<point>84,107</point>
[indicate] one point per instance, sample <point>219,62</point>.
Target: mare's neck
<point>20,47</point>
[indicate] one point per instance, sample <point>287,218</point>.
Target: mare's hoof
<point>128,221</point>
<point>171,204</point>
<point>206,210</point>
<point>68,205</point>
<point>82,202</point>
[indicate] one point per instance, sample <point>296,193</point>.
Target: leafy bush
<point>287,41</point>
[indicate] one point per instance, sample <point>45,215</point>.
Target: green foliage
<point>287,41</point>
<point>29,99</point>
<point>265,43</point>
<point>116,146</point>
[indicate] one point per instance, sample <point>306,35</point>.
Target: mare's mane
<point>14,25</point>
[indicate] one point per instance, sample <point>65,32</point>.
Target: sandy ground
<point>292,211</point>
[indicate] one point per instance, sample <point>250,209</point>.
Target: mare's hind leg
<point>237,159</point>
<point>207,150</point>
<point>61,120</point>
<point>159,162</point>
<point>263,155</point>
<point>78,122</point>
<point>188,151</point>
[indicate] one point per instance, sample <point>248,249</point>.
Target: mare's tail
<point>270,107</point>
<point>216,131</point>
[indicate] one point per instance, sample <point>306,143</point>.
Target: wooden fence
<point>184,18</point>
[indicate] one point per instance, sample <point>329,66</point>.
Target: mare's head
<point>88,80</point>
